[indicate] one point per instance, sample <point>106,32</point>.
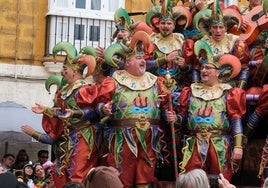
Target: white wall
<point>24,84</point>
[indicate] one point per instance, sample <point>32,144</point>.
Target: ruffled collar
<point>167,44</point>
<point>68,89</point>
<point>209,93</point>
<point>223,46</point>
<point>135,82</point>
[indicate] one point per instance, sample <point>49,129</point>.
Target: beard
<point>165,34</point>
<point>142,70</point>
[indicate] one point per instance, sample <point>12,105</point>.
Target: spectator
<point>42,156</point>
<point>7,162</point>
<point>103,177</point>
<point>48,168</point>
<point>265,184</point>
<point>1,170</point>
<point>8,180</point>
<point>19,175</point>
<point>28,174</point>
<point>73,184</point>
<point>40,178</point>
<point>21,158</point>
<point>192,179</point>
<point>224,183</point>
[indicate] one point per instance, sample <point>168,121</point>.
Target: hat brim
<point>230,66</point>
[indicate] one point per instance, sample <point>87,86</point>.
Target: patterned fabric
<point>209,114</point>
<point>136,101</point>
<point>223,46</point>
<point>77,139</point>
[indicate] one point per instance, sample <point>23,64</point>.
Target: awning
<point>12,117</point>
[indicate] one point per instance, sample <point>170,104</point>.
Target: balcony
<point>80,32</point>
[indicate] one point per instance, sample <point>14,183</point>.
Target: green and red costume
<point>134,133</point>
<point>214,124</point>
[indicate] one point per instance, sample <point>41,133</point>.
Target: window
<point>94,33</point>
<point>81,22</point>
<point>62,3</point>
<point>79,31</point>
<point>62,31</point>
<point>113,5</point>
<point>95,4</point>
<point>80,4</point>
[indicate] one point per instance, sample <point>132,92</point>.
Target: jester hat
<point>152,17</point>
<point>204,53</point>
<point>122,19</point>
<point>228,64</point>
<point>228,16</point>
<point>56,80</point>
<point>73,60</point>
<point>182,12</point>
<point>137,46</point>
<point>166,10</point>
<point>216,15</point>
<point>204,18</point>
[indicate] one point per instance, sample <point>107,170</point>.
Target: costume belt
<point>80,125</point>
<point>209,132</point>
<point>123,123</point>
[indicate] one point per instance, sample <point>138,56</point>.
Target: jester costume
<point>134,133</point>
<point>76,145</point>
<point>214,124</point>
<point>72,124</point>
<point>163,47</point>
<point>166,43</point>
<point>253,122</point>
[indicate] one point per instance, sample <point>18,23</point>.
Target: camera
<point>213,180</point>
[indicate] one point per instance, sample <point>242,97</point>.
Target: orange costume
<point>76,138</point>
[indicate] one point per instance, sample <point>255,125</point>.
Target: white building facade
<point>80,22</point>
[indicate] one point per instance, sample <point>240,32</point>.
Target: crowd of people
<point>27,173</point>
<point>168,101</point>
<point>38,174</point>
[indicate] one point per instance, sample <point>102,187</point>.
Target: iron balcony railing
<point>78,31</point>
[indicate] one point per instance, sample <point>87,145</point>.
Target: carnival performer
<point>253,122</point>
<point>42,137</point>
<point>251,4</point>
<point>73,122</point>
<point>134,134</point>
<point>125,27</point>
<point>213,112</point>
<point>167,54</point>
<point>222,42</point>
<point>258,48</point>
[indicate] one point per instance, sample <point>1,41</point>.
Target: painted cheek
<point>64,73</point>
<point>209,72</point>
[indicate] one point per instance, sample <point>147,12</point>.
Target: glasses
<point>44,157</point>
<point>206,67</point>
